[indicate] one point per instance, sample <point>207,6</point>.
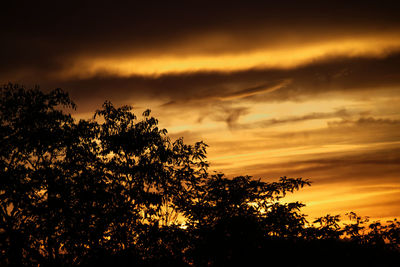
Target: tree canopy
<point>115,189</point>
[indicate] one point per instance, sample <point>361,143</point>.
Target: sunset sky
<point>297,88</point>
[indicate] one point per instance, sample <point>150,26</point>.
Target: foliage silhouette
<point>115,190</point>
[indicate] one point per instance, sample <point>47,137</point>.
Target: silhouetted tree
<point>230,218</point>
<point>115,190</point>
<point>71,191</point>
<point>33,141</point>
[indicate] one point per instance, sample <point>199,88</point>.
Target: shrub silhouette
<point>115,190</point>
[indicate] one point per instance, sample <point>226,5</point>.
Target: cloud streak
<point>296,119</point>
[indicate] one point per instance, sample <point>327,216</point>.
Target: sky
<point>297,88</point>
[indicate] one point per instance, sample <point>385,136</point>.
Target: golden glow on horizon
<point>345,197</point>
<point>268,152</point>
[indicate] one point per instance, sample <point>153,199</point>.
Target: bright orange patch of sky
<point>272,57</point>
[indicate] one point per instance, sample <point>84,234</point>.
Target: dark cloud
<point>256,90</point>
<point>230,115</point>
<point>364,121</point>
<point>340,75</point>
<point>337,75</point>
